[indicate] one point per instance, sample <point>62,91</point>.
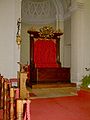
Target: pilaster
<point>77,38</point>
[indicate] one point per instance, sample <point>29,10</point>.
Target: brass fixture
<point>18,36</point>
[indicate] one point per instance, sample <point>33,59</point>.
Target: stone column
<point>77,38</point>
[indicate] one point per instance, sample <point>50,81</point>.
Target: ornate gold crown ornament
<point>46,32</point>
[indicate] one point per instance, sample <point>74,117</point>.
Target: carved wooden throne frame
<point>54,74</point>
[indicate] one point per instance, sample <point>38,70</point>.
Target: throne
<point>45,63</point>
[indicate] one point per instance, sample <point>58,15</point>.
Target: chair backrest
<point>44,47</point>
<point>45,53</point>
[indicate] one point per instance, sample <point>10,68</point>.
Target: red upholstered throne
<point>45,63</point>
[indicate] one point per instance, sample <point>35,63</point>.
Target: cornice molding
<point>76,6</point>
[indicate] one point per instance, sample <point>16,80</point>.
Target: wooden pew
<point>1,91</point>
<point>23,109</point>
<point>14,108</point>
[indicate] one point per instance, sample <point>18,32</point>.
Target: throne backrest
<point>44,47</point>
<point>45,53</point>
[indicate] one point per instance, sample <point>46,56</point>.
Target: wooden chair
<point>7,99</point>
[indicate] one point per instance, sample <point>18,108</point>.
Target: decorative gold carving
<point>46,32</point>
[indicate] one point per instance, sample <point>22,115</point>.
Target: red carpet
<point>63,108</point>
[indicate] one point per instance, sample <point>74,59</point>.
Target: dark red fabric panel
<point>45,53</point>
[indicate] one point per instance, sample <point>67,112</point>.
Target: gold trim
<point>46,32</point>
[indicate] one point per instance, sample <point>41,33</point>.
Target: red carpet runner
<point>62,108</point>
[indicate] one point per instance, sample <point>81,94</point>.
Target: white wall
<point>9,53</point>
